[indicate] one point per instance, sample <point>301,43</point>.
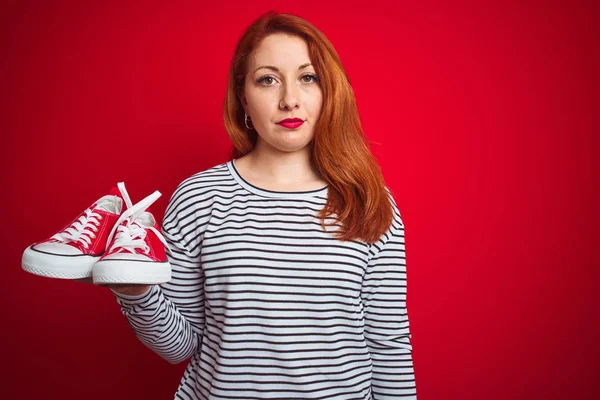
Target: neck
<point>286,168</point>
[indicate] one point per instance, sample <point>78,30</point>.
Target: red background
<point>483,119</point>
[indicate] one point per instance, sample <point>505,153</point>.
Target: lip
<point>291,123</point>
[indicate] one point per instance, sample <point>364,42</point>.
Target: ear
<point>243,101</point>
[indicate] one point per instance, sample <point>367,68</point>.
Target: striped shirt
<point>268,305</point>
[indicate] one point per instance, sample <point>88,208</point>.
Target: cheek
<point>257,105</point>
<point>262,98</point>
<point>315,105</point>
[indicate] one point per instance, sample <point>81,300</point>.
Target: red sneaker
<point>71,253</point>
<point>136,249</point>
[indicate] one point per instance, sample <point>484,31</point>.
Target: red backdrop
<point>480,115</point>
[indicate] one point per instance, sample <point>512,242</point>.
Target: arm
<point>386,320</point>
<point>169,318</point>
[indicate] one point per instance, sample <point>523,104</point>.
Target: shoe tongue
<point>110,203</point>
<point>145,220</point>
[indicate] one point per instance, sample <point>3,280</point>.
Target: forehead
<point>280,50</point>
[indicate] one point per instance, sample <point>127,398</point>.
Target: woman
<point>289,274</point>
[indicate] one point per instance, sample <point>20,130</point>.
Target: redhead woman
<point>288,260</point>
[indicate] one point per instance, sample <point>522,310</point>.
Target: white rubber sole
<point>131,271</point>
<point>57,266</point>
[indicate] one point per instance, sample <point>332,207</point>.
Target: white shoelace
<point>130,233</point>
<point>83,230</point>
<point>121,186</point>
<point>132,236</point>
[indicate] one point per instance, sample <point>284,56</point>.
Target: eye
<point>313,77</point>
<point>264,78</point>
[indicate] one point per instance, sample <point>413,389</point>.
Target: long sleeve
<point>387,331</point>
<point>169,318</point>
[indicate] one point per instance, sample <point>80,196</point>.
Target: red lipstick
<point>291,123</point>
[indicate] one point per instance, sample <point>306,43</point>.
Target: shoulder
<point>394,234</point>
<point>397,225</point>
<point>397,221</point>
<point>205,178</point>
<point>201,185</point>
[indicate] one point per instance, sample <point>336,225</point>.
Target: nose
<point>290,97</point>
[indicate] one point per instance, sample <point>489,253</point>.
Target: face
<point>278,71</point>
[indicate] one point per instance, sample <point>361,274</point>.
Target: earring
<point>246,121</point>
<point>281,105</point>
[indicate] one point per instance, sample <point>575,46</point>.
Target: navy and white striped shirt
<point>267,305</point>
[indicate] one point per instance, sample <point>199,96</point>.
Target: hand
<point>130,289</point>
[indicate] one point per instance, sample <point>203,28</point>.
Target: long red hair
<point>340,150</point>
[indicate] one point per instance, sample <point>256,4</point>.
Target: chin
<point>292,149</point>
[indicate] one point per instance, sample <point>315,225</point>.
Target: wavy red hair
<point>340,151</point>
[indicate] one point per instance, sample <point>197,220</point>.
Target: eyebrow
<point>277,69</point>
